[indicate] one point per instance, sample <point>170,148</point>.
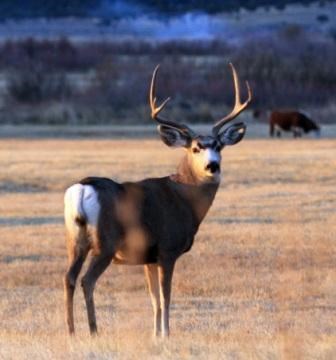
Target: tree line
<point>84,8</point>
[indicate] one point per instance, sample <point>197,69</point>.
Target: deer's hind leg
<point>77,255</point>
<point>99,263</point>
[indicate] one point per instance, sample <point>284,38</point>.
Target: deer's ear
<point>174,137</point>
<point>233,134</point>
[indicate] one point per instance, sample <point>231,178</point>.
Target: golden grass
<point>259,282</point>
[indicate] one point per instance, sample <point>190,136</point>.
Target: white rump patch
<point>81,201</point>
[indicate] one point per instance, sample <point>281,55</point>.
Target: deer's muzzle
<point>213,167</point>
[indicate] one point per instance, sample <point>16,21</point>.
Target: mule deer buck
<point>151,222</point>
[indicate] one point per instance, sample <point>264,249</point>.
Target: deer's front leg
<point>151,272</point>
<point>165,273</point>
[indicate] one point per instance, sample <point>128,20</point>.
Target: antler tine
<point>238,107</point>
<point>155,110</point>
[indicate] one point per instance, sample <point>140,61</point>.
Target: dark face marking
<point>206,142</point>
<point>200,145</point>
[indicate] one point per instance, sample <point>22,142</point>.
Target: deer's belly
<point>136,252</point>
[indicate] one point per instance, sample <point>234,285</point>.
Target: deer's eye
<point>196,150</point>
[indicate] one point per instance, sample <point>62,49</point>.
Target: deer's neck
<point>198,193</point>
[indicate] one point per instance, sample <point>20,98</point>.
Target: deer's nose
<point>213,166</point>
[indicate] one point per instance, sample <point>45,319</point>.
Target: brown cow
<point>293,121</point>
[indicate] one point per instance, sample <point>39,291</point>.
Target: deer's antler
<point>155,110</point>
<point>238,107</point>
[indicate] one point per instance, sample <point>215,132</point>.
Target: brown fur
<point>293,121</point>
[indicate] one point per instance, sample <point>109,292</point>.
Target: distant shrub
<point>322,18</point>
<point>120,84</point>
<point>280,6</point>
<point>291,32</point>
<point>36,85</point>
<point>59,54</point>
<point>332,33</point>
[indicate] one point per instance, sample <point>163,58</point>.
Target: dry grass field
<point>259,283</point>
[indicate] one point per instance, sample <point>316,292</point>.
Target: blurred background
<point>259,282</point>
<point>90,61</point>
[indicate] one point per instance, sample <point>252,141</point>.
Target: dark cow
<point>293,121</point>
